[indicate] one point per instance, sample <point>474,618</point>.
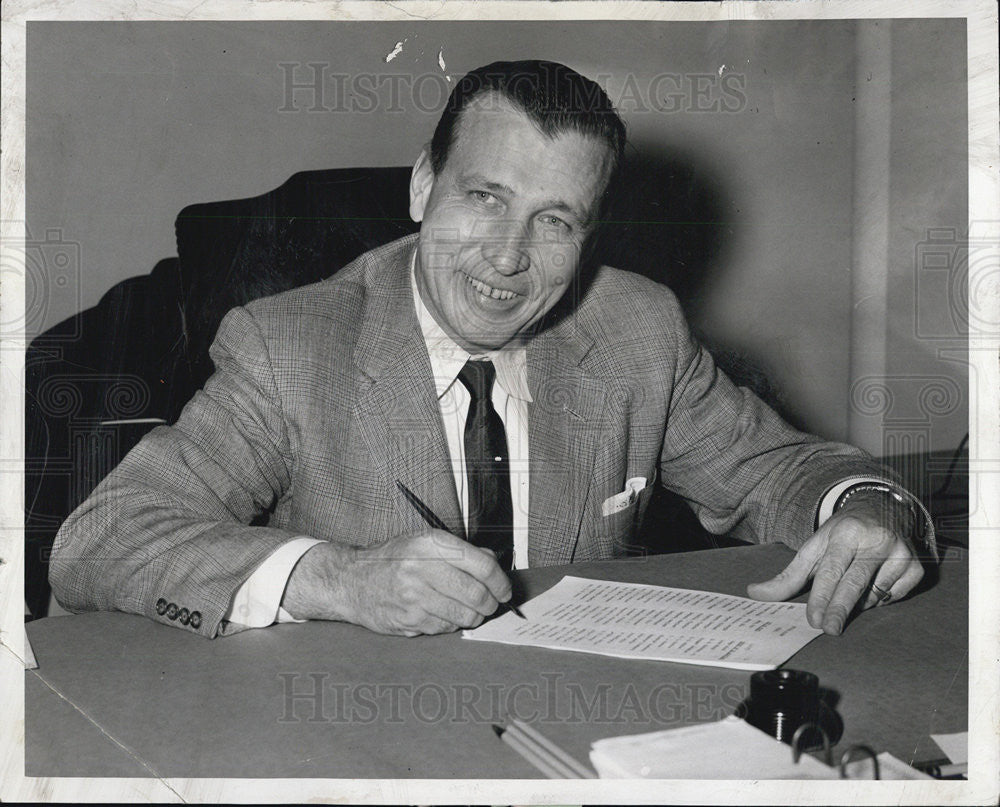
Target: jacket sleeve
<point>744,471</point>
<point>166,533</point>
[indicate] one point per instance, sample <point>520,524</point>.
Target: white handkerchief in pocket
<point>618,502</point>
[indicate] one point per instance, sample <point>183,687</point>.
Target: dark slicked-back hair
<point>556,98</point>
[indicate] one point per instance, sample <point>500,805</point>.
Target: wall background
<point>129,122</point>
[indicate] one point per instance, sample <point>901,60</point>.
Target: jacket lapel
<point>565,428</point>
<point>397,409</point>
<point>398,413</point>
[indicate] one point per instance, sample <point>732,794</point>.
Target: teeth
<point>489,291</point>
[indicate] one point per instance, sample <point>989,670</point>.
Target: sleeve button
<point>195,619</point>
<point>172,612</point>
<point>183,616</point>
<point>161,606</point>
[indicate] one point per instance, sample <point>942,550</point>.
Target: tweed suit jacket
<point>322,397</point>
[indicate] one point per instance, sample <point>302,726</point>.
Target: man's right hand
<point>427,582</point>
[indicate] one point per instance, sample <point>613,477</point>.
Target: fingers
<point>791,580</point>
<point>425,626</point>
<point>416,608</point>
<point>455,614</point>
<point>430,582</point>
<point>464,589</point>
<point>897,577</point>
<point>475,561</point>
<point>843,558</point>
<point>832,615</point>
<point>447,599</point>
<point>908,580</point>
<point>858,555</point>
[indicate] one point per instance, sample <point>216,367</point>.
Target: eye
<point>483,197</point>
<point>550,220</point>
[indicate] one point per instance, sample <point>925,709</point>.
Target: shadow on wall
<point>96,382</point>
<point>668,223</point>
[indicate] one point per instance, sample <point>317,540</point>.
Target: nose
<point>506,249</point>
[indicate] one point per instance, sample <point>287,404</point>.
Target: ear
<point>421,183</point>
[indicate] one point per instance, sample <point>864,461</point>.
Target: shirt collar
<point>448,358</point>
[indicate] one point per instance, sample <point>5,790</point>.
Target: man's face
<point>503,223</point>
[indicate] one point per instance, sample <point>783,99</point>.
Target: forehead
<point>497,141</point>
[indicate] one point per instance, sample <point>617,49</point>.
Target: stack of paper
<point>727,749</point>
<point>955,746</point>
<point>631,620</point>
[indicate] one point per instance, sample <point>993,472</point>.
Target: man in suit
<point>530,399</point>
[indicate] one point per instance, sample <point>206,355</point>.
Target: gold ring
<point>881,593</point>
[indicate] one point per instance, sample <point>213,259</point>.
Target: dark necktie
<point>487,466</point>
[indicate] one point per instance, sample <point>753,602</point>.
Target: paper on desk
<point>889,767</point>
<point>955,746</point>
<point>726,749</point>
<point>631,620</point>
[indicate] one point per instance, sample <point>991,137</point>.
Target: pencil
<point>434,521</point>
<point>580,770</point>
<point>534,754</point>
<point>542,763</point>
<point>545,755</point>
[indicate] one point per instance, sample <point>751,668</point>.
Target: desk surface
<point>119,695</point>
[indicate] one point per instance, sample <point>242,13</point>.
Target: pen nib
<point>497,730</point>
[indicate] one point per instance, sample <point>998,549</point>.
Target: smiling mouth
<point>489,291</point>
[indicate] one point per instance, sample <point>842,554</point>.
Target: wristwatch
<point>900,510</point>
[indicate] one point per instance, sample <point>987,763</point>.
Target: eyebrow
<point>547,204</point>
<point>480,180</point>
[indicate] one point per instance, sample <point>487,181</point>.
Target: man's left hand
<point>847,554</point>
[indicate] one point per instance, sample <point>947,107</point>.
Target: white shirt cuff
<point>257,603</point>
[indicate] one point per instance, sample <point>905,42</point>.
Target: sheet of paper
<point>631,620</point>
<point>955,746</point>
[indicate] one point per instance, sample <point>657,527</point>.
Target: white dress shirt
<point>510,399</point>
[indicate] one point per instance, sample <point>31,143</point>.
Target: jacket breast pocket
<point>619,525</point>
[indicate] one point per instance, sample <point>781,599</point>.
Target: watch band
<point>916,518</point>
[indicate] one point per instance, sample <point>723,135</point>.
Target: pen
<point>432,520</point>
<point>541,752</point>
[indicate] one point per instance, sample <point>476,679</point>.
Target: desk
<point>119,695</point>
